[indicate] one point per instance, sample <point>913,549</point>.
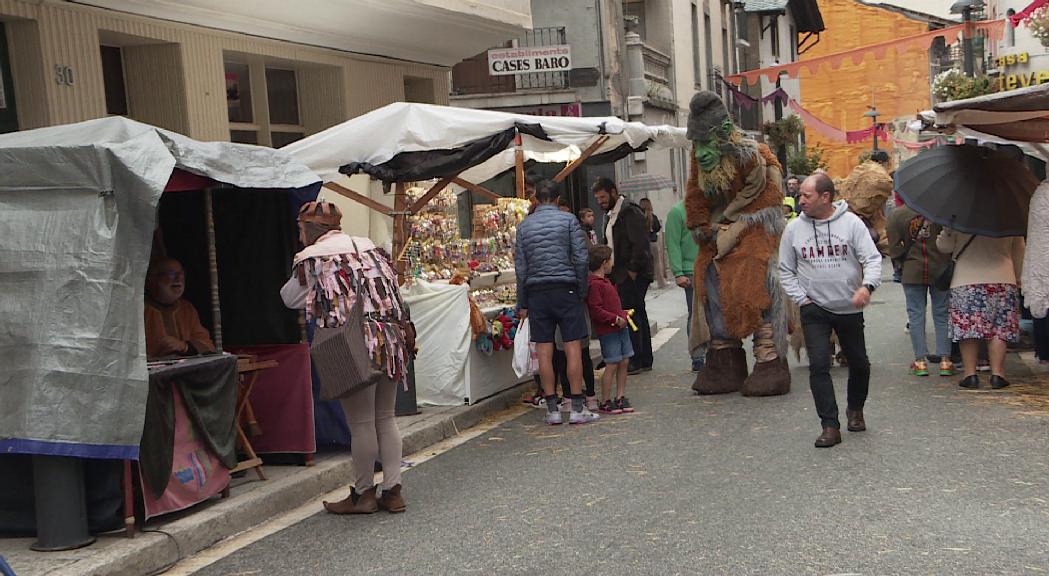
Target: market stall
<point>455,149</point>
<point>80,206</point>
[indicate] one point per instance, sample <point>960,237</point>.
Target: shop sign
<point>574,110</point>
<point>529,60</point>
<point>1019,79</point>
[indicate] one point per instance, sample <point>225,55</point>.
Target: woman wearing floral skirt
<point>985,298</point>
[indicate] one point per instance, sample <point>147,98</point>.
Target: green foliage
<point>804,161</point>
<point>954,85</point>
<point>785,131</point>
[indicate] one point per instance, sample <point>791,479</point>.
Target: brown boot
<point>856,422</point>
<point>830,437</point>
<point>770,378</point>
<point>724,372</point>
<point>392,501</point>
<point>363,503</point>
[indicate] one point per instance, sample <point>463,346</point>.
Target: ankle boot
<point>362,503</point>
<point>392,501</point>
<point>830,437</point>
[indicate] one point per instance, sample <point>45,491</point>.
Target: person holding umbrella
<point>981,197</point>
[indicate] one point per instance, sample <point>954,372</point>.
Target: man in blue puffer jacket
<point>551,266</point>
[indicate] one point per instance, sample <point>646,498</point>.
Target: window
<point>238,93</point>
<point>419,90</point>
<point>709,43</point>
<point>263,102</point>
<point>283,96</point>
<point>774,37</point>
<point>113,80</point>
<point>697,66</point>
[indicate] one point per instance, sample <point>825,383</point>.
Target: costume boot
<point>392,501</point>
<point>724,372</point>
<point>769,378</point>
<point>363,503</point>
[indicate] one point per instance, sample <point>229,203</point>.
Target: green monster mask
<point>708,152</point>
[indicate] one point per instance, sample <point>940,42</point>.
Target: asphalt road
<point>943,482</point>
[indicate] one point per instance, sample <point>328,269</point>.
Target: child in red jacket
<point>611,326</point>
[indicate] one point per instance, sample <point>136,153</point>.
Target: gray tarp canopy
<point>78,206</point>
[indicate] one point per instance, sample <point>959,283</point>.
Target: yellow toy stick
<point>630,319</point>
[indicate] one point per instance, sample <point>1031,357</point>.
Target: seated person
<point>172,325</point>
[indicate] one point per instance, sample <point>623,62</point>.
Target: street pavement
<point>944,481</point>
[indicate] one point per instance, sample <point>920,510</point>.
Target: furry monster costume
<point>733,205</point>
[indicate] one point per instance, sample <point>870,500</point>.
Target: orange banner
<point>993,29</point>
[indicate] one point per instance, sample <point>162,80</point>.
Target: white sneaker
<point>584,416</point>
<point>552,418</point>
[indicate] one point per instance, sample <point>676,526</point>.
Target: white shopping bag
<point>525,360</point>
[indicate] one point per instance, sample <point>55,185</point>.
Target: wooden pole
<point>564,173</point>
<point>433,191</point>
<point>213,270</point>
<point>519,171</point>
<point>400,209</point>
<point>358,197</point>
<point>475,188</point>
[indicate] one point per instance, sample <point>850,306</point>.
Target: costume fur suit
<point>733,205</point>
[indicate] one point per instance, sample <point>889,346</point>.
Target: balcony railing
<point>552,36</point>
<point>471,75</point>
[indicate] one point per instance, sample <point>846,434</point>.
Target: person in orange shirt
<point>173,327</point>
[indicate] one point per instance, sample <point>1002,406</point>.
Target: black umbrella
<point>972,189</point>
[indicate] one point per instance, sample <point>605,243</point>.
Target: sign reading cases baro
<point>529,59</point>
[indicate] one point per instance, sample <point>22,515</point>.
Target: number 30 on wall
<point>64,75</point>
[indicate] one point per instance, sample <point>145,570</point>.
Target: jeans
<point>916,302</point>
<point>817,324</point>
<point>632,294</point>
<point>697,361</point>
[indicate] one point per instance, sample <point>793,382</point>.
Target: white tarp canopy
<point>374,139</point>
<point>78,207</point>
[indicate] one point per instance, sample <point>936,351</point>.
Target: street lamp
<point>965,8</point>
<point>873,115</point>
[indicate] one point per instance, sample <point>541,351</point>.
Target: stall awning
<point>1020,115</point>
<point>405,142</point>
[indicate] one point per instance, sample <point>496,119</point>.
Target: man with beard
<point>172,325</point>
<point>626,232</point>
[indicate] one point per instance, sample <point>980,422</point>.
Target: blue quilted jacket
<point>551,249</point>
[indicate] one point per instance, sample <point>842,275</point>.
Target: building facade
<point>247,72</point>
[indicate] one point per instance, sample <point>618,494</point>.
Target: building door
<point>8,115</point>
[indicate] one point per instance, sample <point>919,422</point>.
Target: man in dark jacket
<point>912,244</point>
<point>551,265</point>
<point>626,231</point>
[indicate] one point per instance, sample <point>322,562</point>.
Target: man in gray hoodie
<point>829,266</point>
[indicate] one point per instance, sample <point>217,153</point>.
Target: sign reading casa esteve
<point>529,60</point>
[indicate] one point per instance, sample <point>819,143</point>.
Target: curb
<point>151,552</point>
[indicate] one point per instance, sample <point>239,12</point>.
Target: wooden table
<point>249,369</point>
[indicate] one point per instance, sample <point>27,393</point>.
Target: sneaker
<point>564,404</point>
<point>584,416</point>
<point>538,402</point>
<point>609,407</point>
<point>919,368</point>
<point>983,366</point>
<point>624,405</point>
<point>552,418</point>
<point>907,328</point>
<point>946,368</point>
<point>591,403</point>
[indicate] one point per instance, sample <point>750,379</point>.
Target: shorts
<point>556,306</point>
<point>616,347</point>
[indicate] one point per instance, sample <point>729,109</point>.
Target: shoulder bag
<point>943,281</point>
<point>340,355</point>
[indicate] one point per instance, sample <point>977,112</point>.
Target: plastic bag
<point>526,361</point>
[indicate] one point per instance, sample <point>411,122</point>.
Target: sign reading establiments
<point>529,60</point>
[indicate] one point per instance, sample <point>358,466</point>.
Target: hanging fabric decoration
<point>992,29</point>
<point>1020,16</point>
<point>857,136</point>
<point>819,126</point>
<point>747,101</point>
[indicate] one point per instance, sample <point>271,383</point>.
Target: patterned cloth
<point>985,311</point>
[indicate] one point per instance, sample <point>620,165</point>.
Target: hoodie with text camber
<point>826,261</point>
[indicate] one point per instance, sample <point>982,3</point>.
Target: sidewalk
<point>174,537</point>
